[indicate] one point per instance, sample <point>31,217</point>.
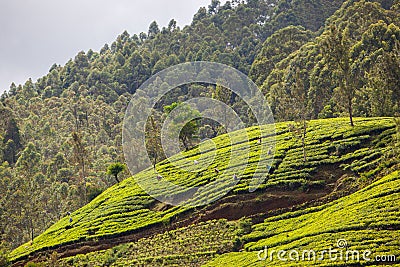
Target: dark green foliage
<point>352,67</point>
<point>277,47</point>
<point>12,133</point>
<point>153,142</point>
<point>310,14</point>
<point>115,169</point>
<point>153,30</point>
<point>93,192</point>
<point>244,227</point>
<point>11,139</point>
<point>183,123</point>
<point>4,262</point>
<point>336,48</point>
<point>232,33</point>
<point>33,264</point>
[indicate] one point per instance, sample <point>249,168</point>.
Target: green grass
<point>368,220</point>
<point>126,208</point>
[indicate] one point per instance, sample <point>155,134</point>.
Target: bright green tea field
<point>338,155</point>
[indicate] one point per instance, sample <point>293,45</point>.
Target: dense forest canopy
<point>58,135</point>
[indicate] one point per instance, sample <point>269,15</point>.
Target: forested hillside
<point>58,135</point>
<point>352,65</point>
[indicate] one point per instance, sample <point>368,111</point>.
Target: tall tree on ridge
<point>300,109</point>
<point>153,142</point>
<point>336,49</point>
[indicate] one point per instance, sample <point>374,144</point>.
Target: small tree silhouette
<point>114,169</point>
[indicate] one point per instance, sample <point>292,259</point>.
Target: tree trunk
<point>303,140</point>
<point>32,231</point>
<point>185,143</point>
<point>351,111</point>
<point>116,178</point>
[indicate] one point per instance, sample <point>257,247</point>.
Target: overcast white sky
<point>35,34</point>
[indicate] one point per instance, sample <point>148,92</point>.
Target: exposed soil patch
<point>257,205</point>
<point>330,173</point>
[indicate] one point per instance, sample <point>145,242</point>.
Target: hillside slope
<point>338,155</point>
<point>367,220</point>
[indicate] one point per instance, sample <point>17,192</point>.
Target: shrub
<point>53,260</point>
<point>244,227</point>
<point>93,192</point>
<point>4,256</point>
<point>33,264</point>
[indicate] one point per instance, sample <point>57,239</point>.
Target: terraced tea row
<point>188,246</point>
<point>368,220</point>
